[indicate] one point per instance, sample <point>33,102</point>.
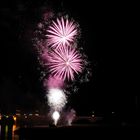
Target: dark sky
<point>108,40</point>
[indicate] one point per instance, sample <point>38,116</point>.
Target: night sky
<point>108,41</point>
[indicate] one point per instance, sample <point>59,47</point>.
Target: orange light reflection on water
<point>14,137</point>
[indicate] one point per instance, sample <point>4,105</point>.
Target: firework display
<point>61,59</point>
<point>56,99</point>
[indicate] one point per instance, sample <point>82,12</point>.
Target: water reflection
<point>7,127</point>
<point>7,132</point>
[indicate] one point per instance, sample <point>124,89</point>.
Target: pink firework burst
<point>61,33</point>
<point>65,62</point>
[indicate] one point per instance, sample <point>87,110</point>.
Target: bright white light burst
<point>55,117</point>
<point>56,99</point>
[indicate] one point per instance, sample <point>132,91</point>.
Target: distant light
<point>30,114</point>
<point>25,117</point>
<point>15,118</point>
<point>93,114</point>
<point>36,114</point>
<point>113,112</point>
<point>18,114</point>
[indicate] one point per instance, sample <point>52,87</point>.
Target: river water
<point>7,132</point>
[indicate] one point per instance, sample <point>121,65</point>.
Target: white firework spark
<point>56,99</point>
<point>55,117</point>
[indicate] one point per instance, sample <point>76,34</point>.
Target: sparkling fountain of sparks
<point>65,62</point>
<point>55,117</point>
<point>56,99</point>
<point>61,32</point>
